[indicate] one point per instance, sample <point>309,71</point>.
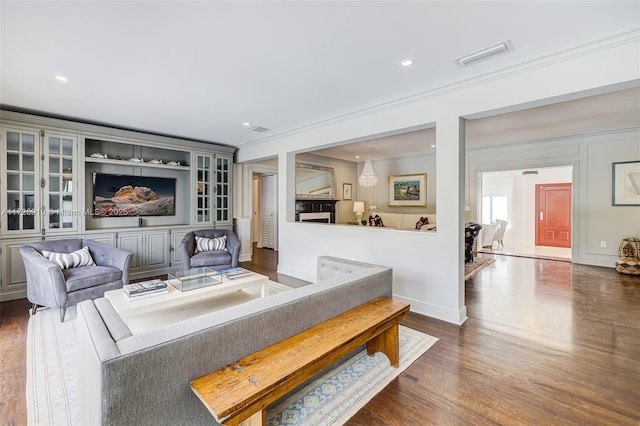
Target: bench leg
<point>387,343</point>
<point>258,419</point>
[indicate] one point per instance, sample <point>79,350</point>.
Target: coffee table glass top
<point>194,278</point>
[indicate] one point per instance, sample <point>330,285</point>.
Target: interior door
<point>269,206</point>
<point>553,204</point>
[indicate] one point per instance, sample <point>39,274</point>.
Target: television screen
<point>122,195</point>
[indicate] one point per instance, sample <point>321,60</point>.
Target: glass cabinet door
<point>213,198</point>
<point>203,181</point>
<point>60,202</point>
<point>21,186</point>
<point>223,188</point>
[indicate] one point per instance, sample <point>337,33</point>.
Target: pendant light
<point>368,178</point>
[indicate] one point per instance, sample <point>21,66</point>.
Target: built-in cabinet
<point>212,190</point>
<point>38,172</point>
<point>47,167</point>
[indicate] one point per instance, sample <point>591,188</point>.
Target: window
<point>495,207</point>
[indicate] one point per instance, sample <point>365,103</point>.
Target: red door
<point>553,204</point>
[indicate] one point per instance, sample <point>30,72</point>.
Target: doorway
<point>265,211</point>
<point>512,196</point>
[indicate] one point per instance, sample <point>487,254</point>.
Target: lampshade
<point>368,178</point>
<point>358,206</point>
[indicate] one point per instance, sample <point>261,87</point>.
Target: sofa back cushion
<point>331,267</point>
<point>391,220</point>
<point>58,246</point>
<point>409,220</point>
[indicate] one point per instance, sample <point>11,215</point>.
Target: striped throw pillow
<point>75,259</point>
<point>209,244</point>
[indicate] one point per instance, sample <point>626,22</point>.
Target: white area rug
<point>329,400</point>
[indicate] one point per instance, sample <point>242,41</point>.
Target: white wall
<point>428,268</point>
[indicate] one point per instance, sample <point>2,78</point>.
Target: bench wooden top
<point>264,376</point>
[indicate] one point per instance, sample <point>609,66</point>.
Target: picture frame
<point>408,190</point>
<point>346,191</point>
<point>625,183</point>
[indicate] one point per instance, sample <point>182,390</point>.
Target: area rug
<point>339,394</point>
<point>329,400</point>
<point>472,268</point>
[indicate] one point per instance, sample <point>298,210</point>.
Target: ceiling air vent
<point>486,53</point>
<point>258,129</point>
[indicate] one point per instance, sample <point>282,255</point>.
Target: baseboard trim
<point>434,311</point>
<point>13,295</point>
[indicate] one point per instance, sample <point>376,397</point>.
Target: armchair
<point>49,285</point>
<point>219,259</point>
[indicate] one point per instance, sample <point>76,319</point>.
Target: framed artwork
<point>625,183</point>
<point>408,190</point>
<point>346,191</point>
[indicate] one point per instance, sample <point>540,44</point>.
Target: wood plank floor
<point>546,343</point>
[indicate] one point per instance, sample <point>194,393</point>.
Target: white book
<point>147,294</point>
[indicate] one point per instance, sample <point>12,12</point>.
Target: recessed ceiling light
<point>62,78</point>
<point>246,123</point>
<point>407,63</point>
<point>433,146</point>
<point>357,157</point>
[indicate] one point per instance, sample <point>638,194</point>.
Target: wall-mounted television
<point>123,195</point>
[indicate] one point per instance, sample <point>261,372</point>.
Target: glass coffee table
<point>192,279</point>
<point>185,287</point>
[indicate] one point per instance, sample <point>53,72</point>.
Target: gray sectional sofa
<point>126,379</point>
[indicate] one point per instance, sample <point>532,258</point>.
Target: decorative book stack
<point>145,288</point>
<point>235,273</point>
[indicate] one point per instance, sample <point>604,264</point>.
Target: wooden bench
<point>241,391</point>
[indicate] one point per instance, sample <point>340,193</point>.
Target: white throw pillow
<point>75,259</point>
<point>209,244</point>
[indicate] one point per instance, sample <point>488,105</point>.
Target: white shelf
<point>133,163</point>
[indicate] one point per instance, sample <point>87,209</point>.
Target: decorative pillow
<point>209,244</point>
<point>421,222</point>
<point>74,259</point>
<point>377,220</point>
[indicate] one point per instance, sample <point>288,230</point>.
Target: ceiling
<point>201,69</point>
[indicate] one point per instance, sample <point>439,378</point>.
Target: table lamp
<point>358,209</point>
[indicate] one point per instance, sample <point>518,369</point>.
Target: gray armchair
<point>50,286</point>
<point>218,259</point>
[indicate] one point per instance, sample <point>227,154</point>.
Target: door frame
<point>249,171</point>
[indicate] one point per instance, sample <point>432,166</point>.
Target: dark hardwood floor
<point>546,343</point>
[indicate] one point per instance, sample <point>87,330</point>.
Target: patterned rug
<point>472,268</point>
<point>339,394</point>
<point>330,400</point>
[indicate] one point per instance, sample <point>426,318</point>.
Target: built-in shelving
<point>134,163</point>
<point>47,184</point>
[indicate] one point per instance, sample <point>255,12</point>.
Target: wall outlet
<point>603,244</point>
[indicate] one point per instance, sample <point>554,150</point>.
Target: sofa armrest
<point>187,249</point>
<point>233,246</point>
<point>106,255</point>
<point>95,348</point>
<point>45,281</point>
